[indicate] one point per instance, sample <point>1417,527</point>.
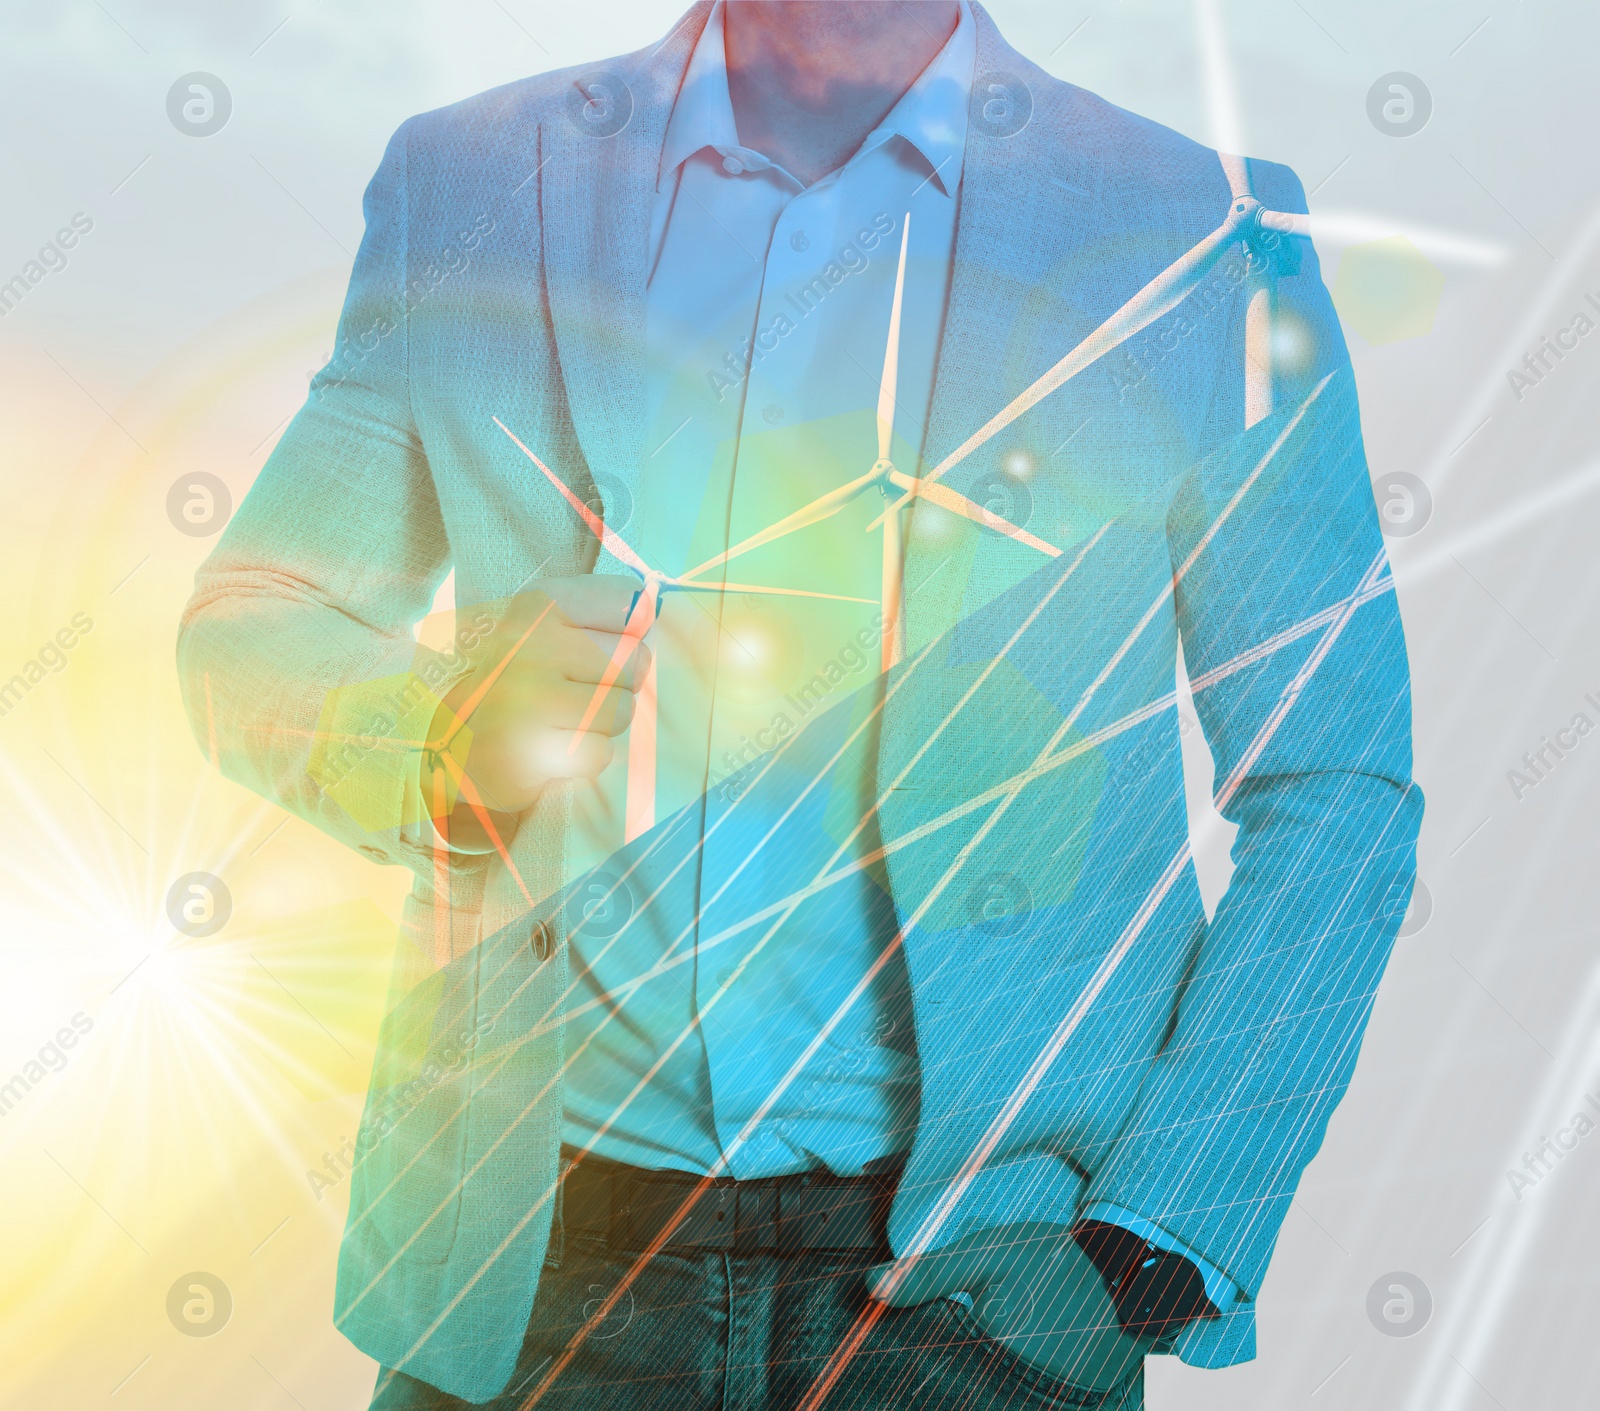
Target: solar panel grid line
<point>836,874</point>
<point>771,763</point>
<point>953,1192</point>
<point>607,1305</point>
<point>1361,594</point>
<point>521,1117</point>
<point>1229,511</point>
<point>923,1238</point>
<point>461,1109</point>
<point>1331,1061</point>
<point>1107,732</point>
<point>639,805</point>
<point>895,687</point>
<point>1328,639</point>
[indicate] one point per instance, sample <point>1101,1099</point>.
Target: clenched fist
<point>540,669</point>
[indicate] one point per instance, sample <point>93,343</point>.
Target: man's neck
<point>809,79</point>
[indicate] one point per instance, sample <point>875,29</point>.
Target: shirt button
<point>798,241</point>
<point>725,978</point>
<point>772,413</point>
<point>732,165</point>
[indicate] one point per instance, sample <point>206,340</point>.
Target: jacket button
<point>543,941</point>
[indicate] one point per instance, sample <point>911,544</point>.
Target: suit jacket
<point>1084,1032</point>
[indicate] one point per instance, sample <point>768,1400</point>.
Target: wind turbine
<point>639,808</point>
<point>885,477</point>
<point>1245,219</point>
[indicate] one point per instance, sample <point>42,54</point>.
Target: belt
<point>631,1207</point>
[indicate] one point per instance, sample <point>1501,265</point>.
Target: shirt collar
<point>931,115</point>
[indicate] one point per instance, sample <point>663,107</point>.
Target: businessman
<point>805,997</point>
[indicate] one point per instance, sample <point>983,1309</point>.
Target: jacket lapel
<point>998,337</point>
<point>594,210</point>
<point>596,192</point>
<point>1012,187</point>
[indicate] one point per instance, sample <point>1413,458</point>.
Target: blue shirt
<point>767,315</point>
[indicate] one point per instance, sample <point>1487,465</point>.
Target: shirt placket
<point>747,1058</point>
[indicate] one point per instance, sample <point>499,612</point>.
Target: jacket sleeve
<point>1275,544</point>
<point>298,667</point>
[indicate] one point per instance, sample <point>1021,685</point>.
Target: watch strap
<point>1154,1291</point>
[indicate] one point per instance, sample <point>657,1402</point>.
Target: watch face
<point>1161,1295</point>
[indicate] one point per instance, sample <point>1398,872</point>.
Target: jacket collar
<point>931,115</point>
<point>597,181</point>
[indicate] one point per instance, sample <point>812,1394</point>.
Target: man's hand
<point>526,701</point>
<point>1034,1291</point>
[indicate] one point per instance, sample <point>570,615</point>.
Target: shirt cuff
<point>1220,1289</point>
<point>418,830</point>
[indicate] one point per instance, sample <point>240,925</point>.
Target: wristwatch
<point>1155,1292</point>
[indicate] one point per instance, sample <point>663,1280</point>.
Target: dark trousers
<point>717,1330</point>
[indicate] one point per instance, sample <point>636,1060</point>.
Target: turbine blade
<point>639,622</point>
<point>777,592</point>
<point>819,509</point>
<point>888,383</point>
<point>613,543</point>
<point>639,800</point>
<point>891,591</point>
<point>482,689</point>
<point>957,503</point>
<point>1159,296</point>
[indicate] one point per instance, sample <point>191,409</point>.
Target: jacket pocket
<point>411,1151</point>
